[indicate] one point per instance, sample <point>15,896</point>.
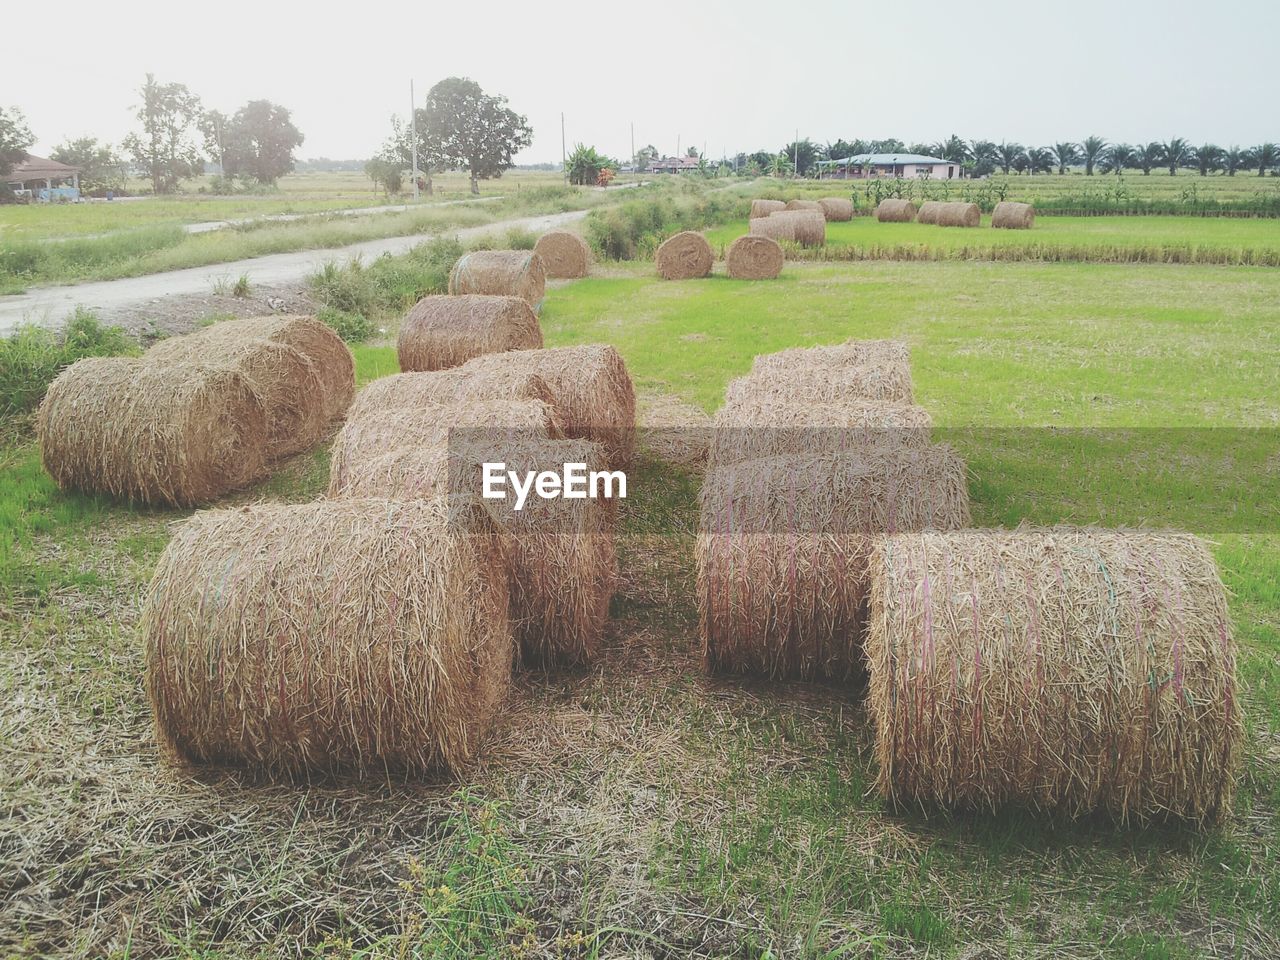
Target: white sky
<point>736,76</point>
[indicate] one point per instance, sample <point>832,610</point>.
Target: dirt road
<point>109,298</point>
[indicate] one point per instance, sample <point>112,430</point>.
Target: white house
<point>908,166</point>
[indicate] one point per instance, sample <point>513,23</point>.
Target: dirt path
<point>113,300</point>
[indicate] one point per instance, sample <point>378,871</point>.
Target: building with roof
<point>674,165</point>
<point>44,179</point>
<point>908,166</point>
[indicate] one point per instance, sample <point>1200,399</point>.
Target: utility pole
<point>677,146</point>
<point>413,135</point>
<point>633,143</point>
<point>563,165</point>
<point>795,162</point>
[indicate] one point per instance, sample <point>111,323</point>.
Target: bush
<point>351,327</point>
<point>635,229</point>
<point>518,238</point>
<point>32,356</point>
<point>389,284</point>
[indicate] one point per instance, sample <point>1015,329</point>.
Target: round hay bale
<point>288,383</point>
<point>333,362</point>
<point>590,387</point>
<point>685,256</point>
<point>755,425</point>
<point>928,212</point>
<point>858,353</point>
<point>504,273</point>
<point>429,425</point>
<point>179,434</point>
<point>364,635</point>
<point>959,215</point>
<point>808,227</point>
<point>891,210</point>
<point>798,204</point>
<point>754,258</point>
<point>447,386</point>
<point>836,209</point>
<point>441,332</point>
<point>1009,215</point>
<point>774,226</point>
<point>565,256</point>
<point>563,562</point>
<point>1069,669</point>
<point>762,208</point>
<point>782,552</point>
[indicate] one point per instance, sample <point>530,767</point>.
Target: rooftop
<point>39,168</point>
<point>884,159</point>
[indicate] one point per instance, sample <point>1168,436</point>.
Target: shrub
<point>32,356</point>
<point>518,238</point>
<point>351,327</point>
<point>635,229</point>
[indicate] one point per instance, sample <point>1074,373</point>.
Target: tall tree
<point>259,142</point>
<point>477,132</point>
<point>953,149</point>
<point>842,148</point>
<point>1208,157</point>
<point>1092,149</point>
<point>780,165</point>
<point>165,148</point>
<point>101,168</point>
<point>985,157</point>
<point>1039,160</point>
<point>803,154</point>
<point>1233,159</point>
<point>213,126</point>
<point>1265,156</point>
<point>1009,154</point>
<point>1176,153</point>
<point>645,156</point>
<point>1065,154</point>
<point>398,149</point>
<point>15,138</point>
<point>1118,158</point>
<point>1150,155</point>
<point>891,145</point>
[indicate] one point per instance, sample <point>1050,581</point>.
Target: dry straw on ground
<point>590,388</point>
<point>447,386</point>
<point>836,209</point>
<point>316,341</point>
<point>177,433</point>
<point>429,425</point>
<point>959,214</point>
<point>1068,669</point>
<point>504,273</point>
<point>782,552</point>
<point>891,210</point>
<point>565,256</point>
<point>764,425</point>
<point>798,204</point>
<point>685,256</point>
<point>441,331</point>
<point>289,385</point>
<point>563,563</point>
<point>365,635</point>
<point>754,258</point>
<point>808,227</point>
<point>928,212</point>
<point>762,208</point>
<point>1009,215</point>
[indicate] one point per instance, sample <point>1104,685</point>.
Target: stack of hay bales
<point>685,256</point>
<point>505,273</point>
<point>891,210</point>
<point>565,256</point>
<point>754,258</point>
<point>797,486</point>
<point>1009,215</point>
<point>447,331</point>
<point>196,416</point>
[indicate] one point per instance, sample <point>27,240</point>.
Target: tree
<point>985,156</point>
<point>101,168</point>
<point>1008,154</point>
<point>953,149</point>
<point>843,148</point>
<point>1039,160</point>
<point>803,154</point>
<point>259,142</point>
<point>1118,158</point>
<point>1233,159</point>
<point>1265,156</point>
<point>1175,154</point>
<point>386,173</point>
<point>645,156</point>
<point>476,132</point>
<point>1150,155</point>
<point>399,148</point>
<point>165,149</point>
<point>891,145</point>
<point>584,165</point>
<point>1092,150</point>
<point>1208,157</point>
<point>1065,154</point>
<point>15,137</point>
<point>780,165</point>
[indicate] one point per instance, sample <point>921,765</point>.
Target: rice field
<point>641,808</point>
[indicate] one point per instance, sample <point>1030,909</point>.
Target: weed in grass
<point>241,287</point>
<point>32,356</point>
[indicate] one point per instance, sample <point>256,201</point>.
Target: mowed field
<point>642,809</point>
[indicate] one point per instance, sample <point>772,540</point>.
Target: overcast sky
<point>734,76</point>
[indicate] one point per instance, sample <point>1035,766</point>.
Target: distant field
<point>1229,240</point>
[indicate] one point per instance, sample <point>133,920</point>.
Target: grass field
<point>642,809</point>
<point>1104,239</point>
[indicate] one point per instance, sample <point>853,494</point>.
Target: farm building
<point>44,179</point>
<point>905,165</point>
<point>674,165</point>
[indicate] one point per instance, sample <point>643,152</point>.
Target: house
<point>674,165</point>
<point>43,179</point>
<point>908,166</point>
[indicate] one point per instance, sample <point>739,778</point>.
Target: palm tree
<point>1092,149</point>
<point>984,155</point>
<point>1008,154</point>
<point>1266,156</point>
<point>1149,156</point>
<point>1234,159</point>
<point>1040,159</point>
<point>1176,153</point>
<point>953,149</point>
<point>1065,154</point>
<point>1119,158</point>
<point>780,165</point>
<point>1208,157</point>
